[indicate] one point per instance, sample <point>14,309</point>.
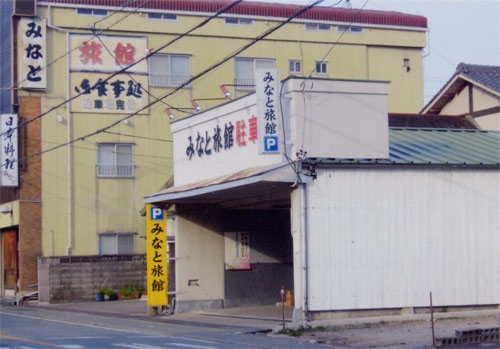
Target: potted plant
<point>128,292</point>
<point>99,296</point>
<point>109,294</point>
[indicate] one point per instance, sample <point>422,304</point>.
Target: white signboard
<point>268,113</point>
<point>94,63</point>
<point>32,53</point>
<point>9,150</point>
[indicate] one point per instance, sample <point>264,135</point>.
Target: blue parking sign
<point>271,143</point>
<point>156,213</point>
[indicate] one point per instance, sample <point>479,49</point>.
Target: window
<point>238,21</point>
<point>322,68</point>
<point>169,70</point>
<point>318,27</point>
<point>91,12</point>
<point>117,243</point>
<point>115,160</point>
<point>244,71</point>
<point>349,29</point>
<point>294,67</point>
<point>163,16</point>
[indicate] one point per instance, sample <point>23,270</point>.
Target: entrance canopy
<point>263,187</point>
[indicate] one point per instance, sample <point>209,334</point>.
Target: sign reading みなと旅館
<point>230,138</point>
<point>268,111</point>
<point>156,255</point>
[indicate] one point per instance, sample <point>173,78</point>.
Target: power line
<point>193,78</point>
<point>121,71</point>
<point>76,48</point>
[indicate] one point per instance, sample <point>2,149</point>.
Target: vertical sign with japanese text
<point>268,113</point>
<point>157,258</point>
<point>32,52</point>
<point>9,150</point>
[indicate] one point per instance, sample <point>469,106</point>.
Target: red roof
<point>249,8</point>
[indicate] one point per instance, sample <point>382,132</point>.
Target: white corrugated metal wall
<point>386,238</point>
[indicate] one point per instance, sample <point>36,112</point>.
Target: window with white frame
<point>238,21</point>
<point>294,67</point>
<point>91,12</point>
<point>349,29</point>
<point>321,67</point>
<point>115,160</point>
<point>162,16</point>
<point>318,27</point>
<point>116,243</point>
<point>245,69</point>
<point>166,70</point>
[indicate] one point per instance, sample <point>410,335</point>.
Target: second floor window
<point>245,69</point>
<point>169,70</point>
<point>294,67</point>
<point>115,160</point>
<point>321,67</point>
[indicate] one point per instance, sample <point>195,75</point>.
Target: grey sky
<point>459,31</point>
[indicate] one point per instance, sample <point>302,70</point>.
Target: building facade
<point>96,84</point>
<point>390,216</point>
<point>473,91</point>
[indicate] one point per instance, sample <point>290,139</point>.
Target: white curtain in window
<point>107,244</point>
<point>106,154</point>
<point>159,64</point>
<point>125,244</point>
<point>179,65</point>
<point>124,154</point>
<point>244,68</point>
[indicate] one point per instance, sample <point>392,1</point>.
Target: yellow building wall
<point>96,205</point>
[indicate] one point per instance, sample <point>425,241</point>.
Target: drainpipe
<point>305,259</point>
<point>70,159</point>
<point>69,247</point>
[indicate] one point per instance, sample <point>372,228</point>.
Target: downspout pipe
<point>305,254</point>
<point>69,247</point>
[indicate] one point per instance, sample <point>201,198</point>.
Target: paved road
<point>127,324</point>
<point>39,327</point>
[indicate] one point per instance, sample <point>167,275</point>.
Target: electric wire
<point>17,84</point>
<point>121,71</point>
<point>189,81</point>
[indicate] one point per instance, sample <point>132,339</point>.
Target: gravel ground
<point>399,334</point>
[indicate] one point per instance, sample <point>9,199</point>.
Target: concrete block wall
<point>77,278</point>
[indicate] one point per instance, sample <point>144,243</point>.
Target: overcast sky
<point>465,31</point>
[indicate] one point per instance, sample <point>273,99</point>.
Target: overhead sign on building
<point>32,53</point>
<point>99,82</point>
<point>9,152</point>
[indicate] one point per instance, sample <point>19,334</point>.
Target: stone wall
<point>77,278</point>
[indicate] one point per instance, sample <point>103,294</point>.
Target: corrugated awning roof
<point>413,146</point>
<point>269,186</point>
<point>258,186</point>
